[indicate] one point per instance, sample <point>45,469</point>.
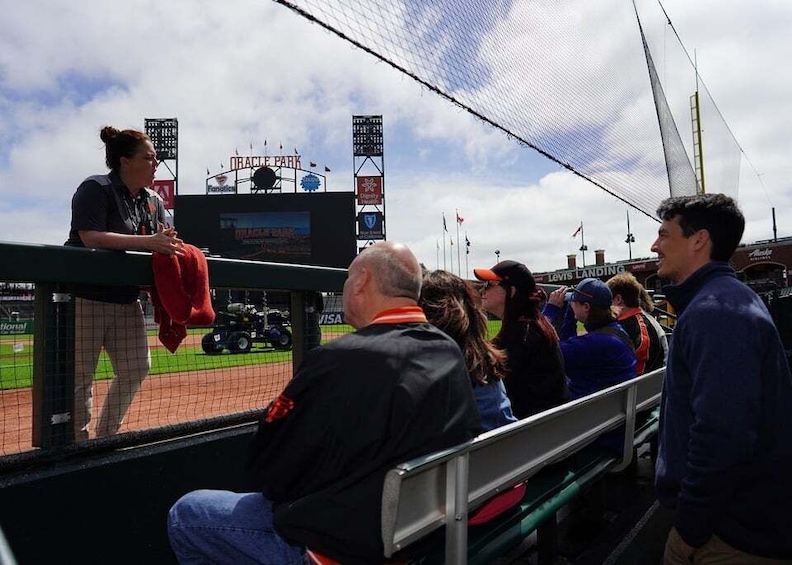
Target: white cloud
<point>254,70</point>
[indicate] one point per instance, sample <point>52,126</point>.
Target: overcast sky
<point>244,71</point>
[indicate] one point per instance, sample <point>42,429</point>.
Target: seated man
<point>648,337</point>
<point>393,390</point>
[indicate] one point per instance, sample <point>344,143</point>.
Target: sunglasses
<point>490,284</point>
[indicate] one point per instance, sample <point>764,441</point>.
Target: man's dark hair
<point>716,213</point>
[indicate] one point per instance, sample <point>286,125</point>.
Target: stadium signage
<point>760,254</point>
<point>15,328</point>
<point>225,189</point>
<point>253,162</point>
<point>331,318</point>
<point>586,272</point>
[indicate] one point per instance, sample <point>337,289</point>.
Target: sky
<point>245,71</point>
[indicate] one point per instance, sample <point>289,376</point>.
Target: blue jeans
<point>218,526</point>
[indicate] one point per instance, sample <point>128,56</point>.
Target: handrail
<point>38,263</point>
<point>55,270</point>
<point>523,448</point>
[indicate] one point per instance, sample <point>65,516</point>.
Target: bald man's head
<point>397,271</point>
<point>385,275</point>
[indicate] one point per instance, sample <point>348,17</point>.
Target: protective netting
<point>568,79</point>
<point>127,386</point>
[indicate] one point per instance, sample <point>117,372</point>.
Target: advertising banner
<point>370,225</point>
<point>166,189</point>
<point>369,190</point>
<point>16,328</point>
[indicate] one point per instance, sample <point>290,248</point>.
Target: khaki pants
<point>121,330</point>
<point>715,551</point>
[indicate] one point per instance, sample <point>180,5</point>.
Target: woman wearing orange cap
<point>535,379</point>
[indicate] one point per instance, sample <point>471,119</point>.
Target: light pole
<point>630,237</point>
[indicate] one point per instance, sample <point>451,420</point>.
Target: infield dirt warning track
<point>162,400</point>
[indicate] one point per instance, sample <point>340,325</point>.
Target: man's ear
<point>618,300</point>
<point>701,239</point>
<point>362,281</point>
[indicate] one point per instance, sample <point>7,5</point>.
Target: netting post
<point>53,367</point>
<point>298,329</point>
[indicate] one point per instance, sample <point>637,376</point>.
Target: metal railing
<point>54,270</point>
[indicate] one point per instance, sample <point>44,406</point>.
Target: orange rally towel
<point>180,294</point>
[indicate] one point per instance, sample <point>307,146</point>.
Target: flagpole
<point>437,262</point>
<point>459,247</point>
<point>630,236</point>
<point>451,254</point>
<point>467,253</point>
<point>583,243</point>
<point>445,229</point>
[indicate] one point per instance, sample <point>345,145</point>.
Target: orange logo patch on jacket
<point>279,408</point>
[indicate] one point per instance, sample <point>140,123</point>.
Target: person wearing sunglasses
<point>535,379</point>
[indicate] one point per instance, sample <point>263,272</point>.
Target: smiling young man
<point>725,428</point>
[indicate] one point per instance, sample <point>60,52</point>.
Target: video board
<point>306,229</point>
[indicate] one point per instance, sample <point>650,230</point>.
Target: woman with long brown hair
<point>453,306</point>
<point>535,378</point>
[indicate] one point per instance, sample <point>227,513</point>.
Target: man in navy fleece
<point>725,459</point>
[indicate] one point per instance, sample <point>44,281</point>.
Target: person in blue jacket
<point>453,306</point>
<point>725,441</point>
<point>604,355</point>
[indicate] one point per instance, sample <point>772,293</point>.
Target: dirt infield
<point>162,400</point>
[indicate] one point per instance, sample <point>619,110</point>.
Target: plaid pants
<point>121,330</point>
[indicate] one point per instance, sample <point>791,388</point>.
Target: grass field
<point>16,366</point>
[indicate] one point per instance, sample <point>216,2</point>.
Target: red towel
<point>180,294</point>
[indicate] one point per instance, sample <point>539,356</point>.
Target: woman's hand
<point>165,241</point>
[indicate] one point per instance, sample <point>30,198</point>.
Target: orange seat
<point>319,559</point>
<point>497,505</point>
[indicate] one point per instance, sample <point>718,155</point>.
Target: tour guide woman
<point>115,211</point>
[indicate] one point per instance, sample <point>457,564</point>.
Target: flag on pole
<point>208,174</point>
<point>327,169</point>
<point>437,241</point>
<point>460,219</point>
<point>265,142</point>
<point>451,240</point>
<point>221,166</point>
<point>311,164</point>
<point>467,245</point>
<point>251,146</point>
<point>281,147</point>
<point>577,231</point>
<point>296,152</point>
<point>236,152</point>
<point>445,227</point>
